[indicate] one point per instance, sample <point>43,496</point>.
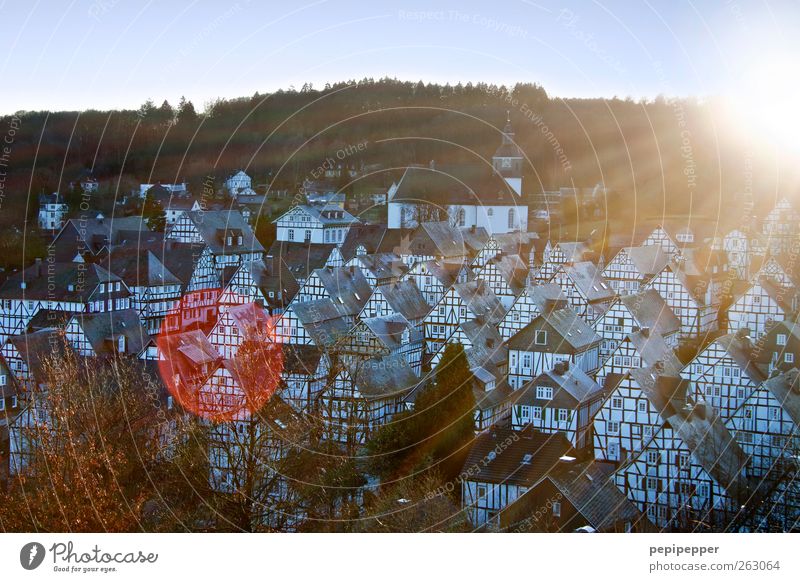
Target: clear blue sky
<point>118,53</point>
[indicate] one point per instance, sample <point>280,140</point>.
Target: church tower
<point>507,160</point>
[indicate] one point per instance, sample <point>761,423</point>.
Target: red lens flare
<point>218,356</point>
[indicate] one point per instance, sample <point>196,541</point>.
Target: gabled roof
<point>301,259</point>
<point>367,235</point>
<point>653,349</point>
<point>96,234</point>
<point>648,260</point>
<point>446,272</point>
<point>703,431</point>
<point>406,299</point>
<point>481,300</point>
<point>347,287</point>
<point>513,270</point>
<point>589,280</point>
<point>323,321</point>
<point>384,377</point>
<point>215,226</point>
<point>251,319</point>
<point>388,329</point>
<point>383,265</point>
<point>487,349</point>
<point>590,488</point>
<point>140,267</point>
<point>740,348</point>
<point>785,388</point>
<point>302,359</point>
<point>572,332</point>
<point>35,348</point>
<point>572,387</point>
<point>268,278</point>
<point>528,456</point>
<point>103,330</point>
<point>462,184</point>
<point>650,311</point>
<point>329,214</point>
<point>440,239</point>
<point>73,282</point>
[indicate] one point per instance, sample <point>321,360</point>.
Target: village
<point>631,381</point>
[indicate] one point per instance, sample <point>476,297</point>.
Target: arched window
<point>511,218</point>
<point>461,217</point>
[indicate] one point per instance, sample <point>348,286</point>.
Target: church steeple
<point>507,160</point>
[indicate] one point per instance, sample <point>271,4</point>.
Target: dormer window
<point>121,344</point>
<point>230,240</point>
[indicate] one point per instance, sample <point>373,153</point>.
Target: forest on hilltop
<point>664,155</point>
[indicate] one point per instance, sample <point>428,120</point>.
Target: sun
<point>765,104</point>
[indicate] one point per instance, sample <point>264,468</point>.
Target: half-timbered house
<point>553,336</point>
<point>501,466</point>
<point>760,306</point>
<point>563,400</point>
<point>585,289</point>
<point>632,267</point>
<point>725,373</point>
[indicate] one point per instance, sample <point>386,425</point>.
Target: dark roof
<point>269,279</point>
<point>572,331</point>
<point>406,299</point>
<point>74,282</point>
<point>590,488</point>
<point>301,259</point>
<point>347,287</point>
<point>589,280</point>
<point>650,311</point>
<point>572,386</point>
<point>140,267</point>
<point>36,347</point>
<point>300,359</point>
<point>463,184</point>
<point>527,457</point>
<point>384,377</point>
<point>102,331</point>
<point>323,321</point>
<point>785,388</point>
<point>214,226</point>
<point>481,300</point>
<point>368,235</point>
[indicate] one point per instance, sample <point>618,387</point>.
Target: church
<point>465,195</point>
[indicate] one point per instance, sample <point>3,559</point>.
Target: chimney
<point>658,367</point>
<point>432,165</point>
<point>645,331</point>
<point>489,343</point>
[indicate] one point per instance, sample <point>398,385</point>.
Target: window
<point>490,212</point>
<point>307,236</point>
<point>461,217</point>
<point>652,457</point>
<point>616,402</point>
<point>511,218</point>
<point>526,360</point>
<point>781,340</point>
<point>788,358</point>
<point>642,406</point>
<point>556,509</point>
<point>291,234</point>
<point>613,427</point>
<point>651,484</point>
<point>3,379</point>
<point>481,491</point>
<point>541,337</point>
<point>2,403</point>
<point>544,392</point>
<point>537,413</point>
<point>563,415</point>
